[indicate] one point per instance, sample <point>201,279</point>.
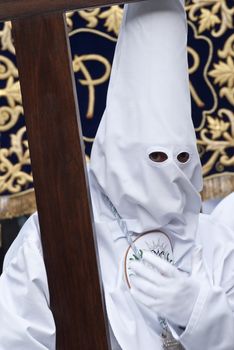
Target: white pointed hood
<point>147,120</point>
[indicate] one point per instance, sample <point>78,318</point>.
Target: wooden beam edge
<point>14,9</point>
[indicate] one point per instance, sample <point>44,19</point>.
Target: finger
<point>147,273</point>
<point>145,286</point>
<point>142,298</point>
<point>164,267</point>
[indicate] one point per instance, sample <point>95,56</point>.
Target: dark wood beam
<point>10,9</point>
<point>57,155</point>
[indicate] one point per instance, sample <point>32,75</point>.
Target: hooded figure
<point>145,178</point>
<point>144,157</point>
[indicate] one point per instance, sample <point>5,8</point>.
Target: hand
<point>162,287</point>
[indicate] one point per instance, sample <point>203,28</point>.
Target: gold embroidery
<point>13,177</point>
<point>91,16</point>
<point>9,117</point>
<point>69,19</point>
<point>209,13</point>
<point>223,72</point>
<point>22,203</point>
<point>113,18</point>
<point>217,138</point>
<point>6,38</point>
<point>204,111</point>
<point>79,65</point>
<point>192,69</point>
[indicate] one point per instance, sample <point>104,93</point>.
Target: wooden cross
<point>59,171</point>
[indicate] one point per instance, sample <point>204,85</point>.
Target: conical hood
<point>144,157</point>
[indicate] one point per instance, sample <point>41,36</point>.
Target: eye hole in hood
<point>183,157</point>
<point>158,157</point>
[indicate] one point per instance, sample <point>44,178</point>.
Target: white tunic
<point>27,323</point>
<point>148,112</point>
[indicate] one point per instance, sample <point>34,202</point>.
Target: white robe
<point>154,105</point>
<point>26,322</point>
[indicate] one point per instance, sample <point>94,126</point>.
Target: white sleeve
<point>26,322</point>
<point>211,325</point>
<point>224,212</point>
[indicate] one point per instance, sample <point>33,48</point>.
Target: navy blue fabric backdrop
<point>93,34</point>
